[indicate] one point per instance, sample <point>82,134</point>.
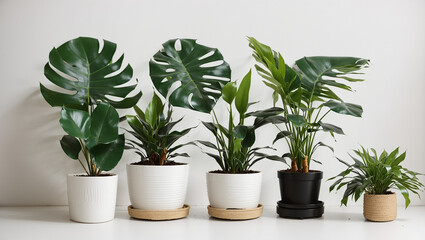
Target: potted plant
<point>375,176</point>
<point>234,190</point>
<point>157,184</point>
<point>307,96</point>
<point>90,120</point>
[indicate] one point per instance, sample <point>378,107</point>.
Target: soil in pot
<point>147,162</point>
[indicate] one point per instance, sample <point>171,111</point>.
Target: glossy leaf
<point>104,125</point>
<point>345,108</point>
<point>71,146</point>
<point>331,127</point>
<point>75,122</point>
<point>153,111</point>
<point>200,70</point>
<point>107,156</point>
<point>229,92</point>
<point>242,95</point>
<point>81,67</point>
<point>281,135</point>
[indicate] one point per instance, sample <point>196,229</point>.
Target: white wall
<point>390,33</point>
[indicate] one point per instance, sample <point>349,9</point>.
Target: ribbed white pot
<point>234,190</point>
<point>157,187</point>
<point>92,199</point>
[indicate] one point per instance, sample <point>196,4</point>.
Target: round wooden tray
<point>236,214</point>
<point>158,215</point>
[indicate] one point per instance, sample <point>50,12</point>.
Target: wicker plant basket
<point>380,207</point>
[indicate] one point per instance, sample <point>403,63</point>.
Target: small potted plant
<point>375,176</point>
<point>234,190</point>
<point>307,96</point>
<point>157,183</point>
<point>90,120</point>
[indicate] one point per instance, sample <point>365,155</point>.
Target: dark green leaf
<point>202,76</point>
<point>107,156</point>
<point>153,111</point>
<point>297,120</point>
<point>75,122</point>
<point>330,127</point>
<point>345,108</point>
<point>104,125</point>
<point>88,69</point>
<point>281,135</point>
<point>71,146</point>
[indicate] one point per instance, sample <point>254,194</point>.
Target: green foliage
<point>307,94</point>
<point>88,115</point>
<point>200,70</point>
<point>233,145</point>
<point>376,174</point>
<point>155,134</point>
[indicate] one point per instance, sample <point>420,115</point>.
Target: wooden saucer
<point>159,215</point>
<point>236,214</point>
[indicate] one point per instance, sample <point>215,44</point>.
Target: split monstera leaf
<point>88,113</point>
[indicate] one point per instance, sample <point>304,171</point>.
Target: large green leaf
<point>81,67</point>
<point>297,120</point>
<point>104,125</point>
<point>71,146</point>
<point>75,122</point>
<point>345,108</point>
<point>107,156</point>
<point>200,70</point>
<point>242,96</point>
<point>320,73</point>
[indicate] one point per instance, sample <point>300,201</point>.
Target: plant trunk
<point>163,157</point>
<point>294,167</point>
<point>305,165</point>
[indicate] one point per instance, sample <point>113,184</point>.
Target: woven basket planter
<point>380,207</point>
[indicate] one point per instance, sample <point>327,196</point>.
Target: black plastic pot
<point>300,194</point>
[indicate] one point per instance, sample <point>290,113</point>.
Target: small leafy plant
<point>154,133</point>
<point>88,115</point>
<point>376,174</point>
<point>307,96</point>
<point>235,153</point>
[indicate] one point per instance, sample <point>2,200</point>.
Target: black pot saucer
<point>300,211</point>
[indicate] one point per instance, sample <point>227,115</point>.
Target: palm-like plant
<point>235,153</point>
<point>88,115</point>
<point>307,96</point>
<point>154,133</point>
<point>376,174</point>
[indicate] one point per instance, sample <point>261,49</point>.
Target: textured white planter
<point>92,199</point>
<point>157,187</point>
<point>234,190</point>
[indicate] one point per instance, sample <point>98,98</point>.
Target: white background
<point>391,34</point>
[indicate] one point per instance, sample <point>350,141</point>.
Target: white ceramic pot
<point>234,190</point>
<point>92,199</point>
<point>157,187</point>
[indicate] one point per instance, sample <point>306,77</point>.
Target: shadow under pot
<point>300,194</point>
<point>158,192</point>
<point>92,199</point>
<point>234,196</point>
<point>380,207</point>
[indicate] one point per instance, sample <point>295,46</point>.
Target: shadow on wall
<point>34,167</point>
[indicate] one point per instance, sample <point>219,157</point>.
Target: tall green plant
<point>376,174</point>
<point>88,115</point>
<point>307,95</point>
<point>233,145</point>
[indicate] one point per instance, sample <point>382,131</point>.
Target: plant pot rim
<point>389,193</point>
<point>84,175</point>
<point>234,174</point>
<point>158,166</point>
<point>308,176</point>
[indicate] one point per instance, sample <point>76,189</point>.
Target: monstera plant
<point>88,115</point>
<point>307,92</point>
<point>187,75</point>
<point>88,78</point>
